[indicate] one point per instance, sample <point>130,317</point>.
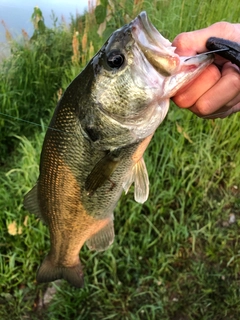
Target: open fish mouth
<point>158,50</point>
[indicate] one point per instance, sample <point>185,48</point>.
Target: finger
<point>231,107</point>
<point>188,96</point>
<point>220,113</point>
<point>234,101</point>
<point>223,112</point>
<point>225,90</point>
<point>189,43</point>
<point>235,108</point>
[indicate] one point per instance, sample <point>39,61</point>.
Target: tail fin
<point>48,272</point>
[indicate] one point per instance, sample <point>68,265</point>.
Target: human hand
<point>216,92</point>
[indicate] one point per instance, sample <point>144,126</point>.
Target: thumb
<point>190,43</point>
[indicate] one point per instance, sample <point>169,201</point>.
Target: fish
<point>93,149</point>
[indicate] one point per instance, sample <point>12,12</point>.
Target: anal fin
<point>101,240</point>
<point>139,176</point>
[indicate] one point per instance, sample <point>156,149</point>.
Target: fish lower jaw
<point>188,72</point>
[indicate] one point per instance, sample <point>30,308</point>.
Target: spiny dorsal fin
<point>139,176</point>
<point>102,171</point>
<point>31,203</point>
<point>103,238</point>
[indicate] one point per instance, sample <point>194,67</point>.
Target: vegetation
<point>177,256</point>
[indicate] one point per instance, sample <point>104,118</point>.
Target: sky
<point>17,14</point>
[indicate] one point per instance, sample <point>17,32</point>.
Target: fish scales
<point>93,149</point>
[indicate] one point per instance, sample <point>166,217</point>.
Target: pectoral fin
<point>103,238</point>
<point>31,203</point>
<point>102,171</point>
<point>139,176</point>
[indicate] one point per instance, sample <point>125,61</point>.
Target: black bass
<point>94,147</point>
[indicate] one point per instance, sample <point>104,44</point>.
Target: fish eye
<point>115,60</point>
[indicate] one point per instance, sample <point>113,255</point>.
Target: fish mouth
<point>159,51</point>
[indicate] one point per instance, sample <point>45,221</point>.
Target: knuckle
<point>183,41</point>
<point>236,108</point>
<point>182,100</point>
<point>235,82</point>
<point>203,107</point>
<point>214,73</point>
<point>225,27</point>
<point>229,30</point>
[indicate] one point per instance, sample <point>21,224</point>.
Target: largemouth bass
<point>93,149</point>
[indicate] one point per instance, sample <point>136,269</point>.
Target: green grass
<point>176,257</point>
